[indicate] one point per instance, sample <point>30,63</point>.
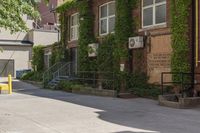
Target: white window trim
<point>76,27</point>
<point>48,55</point>
<point>154,5</point>
<point>105,18</point>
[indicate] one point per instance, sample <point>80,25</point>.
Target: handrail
<point>181,82</point>
<point>62,67</point>
<point>53,66</point>
<point>47,75</point>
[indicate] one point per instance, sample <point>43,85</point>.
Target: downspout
<point>193,50</point>
<point>195,41</point>
<point>196,5</point>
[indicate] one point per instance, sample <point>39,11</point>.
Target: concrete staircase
<point>58,72</point>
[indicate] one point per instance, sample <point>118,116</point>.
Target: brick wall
<point>44,10</point>
<point>159,41</point>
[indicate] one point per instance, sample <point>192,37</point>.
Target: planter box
<point>35,83</point>
<point>96,92</point>
<point>176,101</point>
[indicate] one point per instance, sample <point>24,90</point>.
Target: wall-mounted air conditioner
<point>92,49</point>
<point>136,42</point>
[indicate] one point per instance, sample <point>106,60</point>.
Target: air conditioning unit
<point>136,42</point>
<point>92,49</point>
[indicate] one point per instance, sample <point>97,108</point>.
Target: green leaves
<point>38,58</point>
<point>67,5</point>
<point>11,12</point>
<point>180,38</point>
<point>86,36</point>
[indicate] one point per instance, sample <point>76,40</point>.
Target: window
<point>107,18</point>
<point>47,58</point>
<point>153,12</point>
<point>74,27</point>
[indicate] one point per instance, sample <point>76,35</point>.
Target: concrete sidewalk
<point>34,110</point>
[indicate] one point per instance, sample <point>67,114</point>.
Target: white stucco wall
<point>6,34</point>
<point>43,37</point>
<point>20,54</point>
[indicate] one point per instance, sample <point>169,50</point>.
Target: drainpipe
<point>194,61</point>
<point>195,39</point>
<point>196,31</point>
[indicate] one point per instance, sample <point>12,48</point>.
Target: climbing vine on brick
<point>180,39</point>
<point>67,5</point>
<point>123,27</point>
<point>86,36</point>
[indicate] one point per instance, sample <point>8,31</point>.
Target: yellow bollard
<point>10,84</point>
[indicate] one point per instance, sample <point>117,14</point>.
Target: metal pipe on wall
<point>197,31</point>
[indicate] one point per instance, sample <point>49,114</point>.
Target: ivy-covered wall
<point>38,58</point>
<point>180,36</point>
<point>125,28</point>
<point>86,36</point>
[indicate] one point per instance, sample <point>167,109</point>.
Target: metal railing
<point>65,71</point>
<point>96,79</point>
<point>186,81</point>
<point>48,75</point>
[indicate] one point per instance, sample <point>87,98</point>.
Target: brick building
<point>153,24</point>
<point>45,10</point>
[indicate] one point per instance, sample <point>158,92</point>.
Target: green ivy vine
<point>123,27</point>
<point>180,38</point>
<point>113,47</point>
<point>86,36</point>
<point>67,5</point>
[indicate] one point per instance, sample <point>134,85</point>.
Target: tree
<point>11,12</point>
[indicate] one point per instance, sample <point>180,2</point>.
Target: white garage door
<point>6,67</point>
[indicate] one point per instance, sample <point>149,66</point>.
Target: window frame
<point>153,6</point>
<point>106,18</point>
<point>74,27</point>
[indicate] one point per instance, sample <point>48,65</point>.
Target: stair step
<point>64,77</point>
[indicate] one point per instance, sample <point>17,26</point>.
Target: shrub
<point>77,87</point>
<point>138,84</point>
<point>65,86</point>
<point>34,76</point>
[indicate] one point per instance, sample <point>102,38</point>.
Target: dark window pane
<point>147,16</point>
<point>111,24</point>
<point>103,26</point>
<point>157,1</point>
<point>104,11</point>
<point>147,2</point>
<point>112,8</point>
<point>161,14</point>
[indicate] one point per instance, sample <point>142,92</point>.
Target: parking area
<point>33,110</point>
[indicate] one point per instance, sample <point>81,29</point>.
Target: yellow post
<point>10,84</point>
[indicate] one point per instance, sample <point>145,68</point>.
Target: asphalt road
<point>33,110</point>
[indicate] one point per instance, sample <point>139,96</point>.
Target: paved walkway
<point>33,110</point>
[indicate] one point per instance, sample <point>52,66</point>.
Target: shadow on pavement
<point>142,114</point>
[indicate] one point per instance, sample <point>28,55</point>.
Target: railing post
<point>44,80</point>
<point>70,68</point>
<point>113,81</point>
<point>94,79</point>
<point>162,83</point>
<point>58,73</point>
<point>182,84</point>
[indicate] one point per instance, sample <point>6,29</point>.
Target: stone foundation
<point>176,101</point>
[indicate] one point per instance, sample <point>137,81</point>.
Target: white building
<point>17,47</point>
